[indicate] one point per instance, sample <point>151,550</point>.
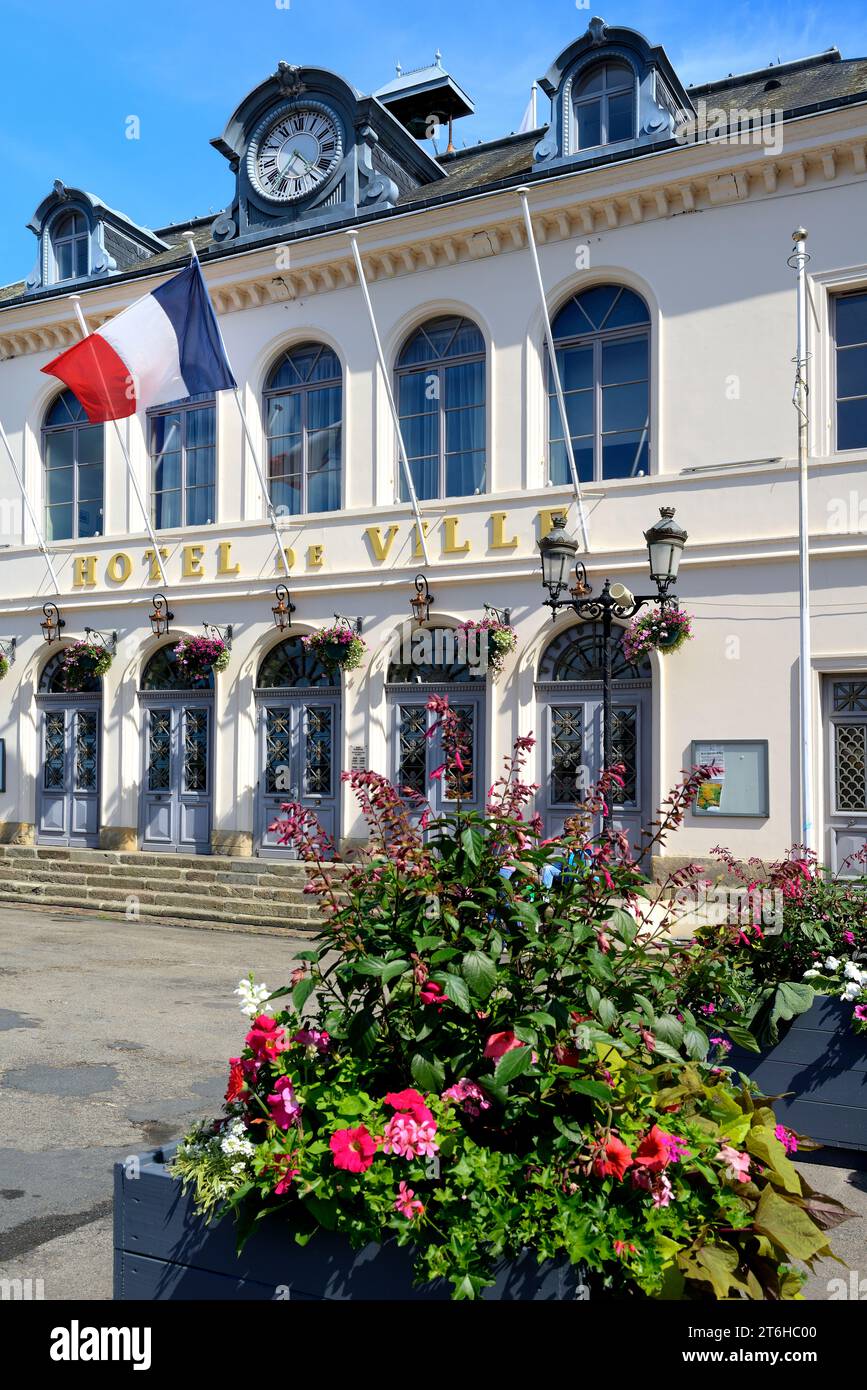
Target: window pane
<point>327,367</point>
<point>284,456</point>
<point>467,340</point>
<point>286,494</point>
<point>59,523</point>
<point>324,407</point>
<point>579,413</point>
<point>64,260</point>
<point>629,309</point>
<point>201,426</point>
<point>575,366</point>
<point>589,121</point>
<point>167,509</point>
<point>60,449</point>
<point>167,472</point>
<point>165,433</point>
<point>90,483</point>
<point>89,519</point>
<point>89,442</point>
<point>852,371</point>
<point>465,474</point>
<point>620,123</point>
<point>81,257</point>
<point>200,506</point>
<point>440,334</point>
<point>58,485</point>
<point>418,393</point>
<point>200,467</point>
<point>420,435</point>
<point>464,385</point>
<point>851,319</point>
<point>852,424</point>
<point>425,477</point>
<point>570,321</point>
<point>559,465</point>
<point>593,81</point>
<point>323,450</point>
<point>323,491</point>
<point>624,361</point>
<point>284,415</point>
<point>624,455</point>
<point>465,429</point>
<point>624,407</point>
<point>597,303</point>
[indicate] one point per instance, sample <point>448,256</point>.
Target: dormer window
<point>70,242</point>
<point>605,106</point>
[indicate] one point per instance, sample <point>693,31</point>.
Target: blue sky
<point>75,70</point>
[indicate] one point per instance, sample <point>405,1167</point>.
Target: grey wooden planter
<point>162,1250</point>
<point>824,1063</point>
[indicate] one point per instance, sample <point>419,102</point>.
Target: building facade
<point>663,217</point>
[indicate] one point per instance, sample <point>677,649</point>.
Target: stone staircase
<point>202,890</point>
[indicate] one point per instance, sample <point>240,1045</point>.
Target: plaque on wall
<point>358,757</point>
<point>739,784</point>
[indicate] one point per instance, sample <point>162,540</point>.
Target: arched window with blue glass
<point>72,456</point>
<point>183,450</point>
<point>602,341</point>
<point>70,246</point>
<point>441,401</point>
<point>303,410</point>
<point>604,106</point>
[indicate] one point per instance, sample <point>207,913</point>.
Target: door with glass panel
<point>176,796</point>
<point>845,701</point>
<point>299,760</point>
<point>419,758</point>
<point>68,787</point>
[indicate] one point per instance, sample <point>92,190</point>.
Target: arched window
<point>604,104</point>
<point>183,449</point>
<point>72,454</point>
<point>602,340</point>
<point>303,411</point>
<point>578,654</point>
<point>441,402</point>
<point>162,672</point>
<point>53,678</point>
<point>290,665</point>
<point>70,244</point>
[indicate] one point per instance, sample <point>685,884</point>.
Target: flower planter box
<point>824,1063</point>
<point>162,1250</point>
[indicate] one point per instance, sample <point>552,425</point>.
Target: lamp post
<point>665,543</point>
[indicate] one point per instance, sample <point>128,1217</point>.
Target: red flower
<point>353,1149</point>
<point>500,1043</point>
<point>617,1158</point>
<point>567,1055</point>
<point>432,993</point>
<point>266,1038</point>
<point>237,1083</point>
<point>409,1102</point>
<point>652,1152</point>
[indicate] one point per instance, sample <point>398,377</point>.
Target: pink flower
<point>677,1149</point>
<point>353,1149</point>
<point>407,1203</point>
<point>283,1168</point>
<point>407,1138</point>
<point>661,1191</point>
<point>410,1102</point>
<point>500,1043</point>
<point>438,772</point>
<point>313,1037</point>
<point>621,1248</point>
<point>788,1138</point>
<point>468,1095</point>
<point>266,1038</point>
<point>432,993</point>
<point>737,1165</point>
<point>861,1012</point>
<point>850,937</point>
<point>282,1104</point>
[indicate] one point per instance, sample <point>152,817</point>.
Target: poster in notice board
<point>739,785</point>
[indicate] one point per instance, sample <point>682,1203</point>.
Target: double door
<point>299,760</point>
<point>419,759</point>
<point>176,790</point>
<point>68,800</point>
<point>845,701</point>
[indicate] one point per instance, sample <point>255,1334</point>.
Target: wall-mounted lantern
<point>283,608</point>
<point>160,616</point>
<point>52,624</point>
<point>421,603</point>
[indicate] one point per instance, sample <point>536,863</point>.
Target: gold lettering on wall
<point>119,568</point>
<point>84,571</point>
<point>418,553</point>
<point>154,571</point>
<point>498,532</point>
<point>192,562</point>
<point>223,565</point>
<point>450,537</point>
<point>290,560</point>
<point>379,546</point>
<point>546,517</point>
<point>315,556</point>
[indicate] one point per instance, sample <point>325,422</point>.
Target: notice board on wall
<point>739,786</point>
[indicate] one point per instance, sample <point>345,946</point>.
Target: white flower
<point>253,998</point>
<point>235,1143</point>
<point>852,972</point>
<point>851,991</point>
<point>832,963</point>
<point>811,974</point>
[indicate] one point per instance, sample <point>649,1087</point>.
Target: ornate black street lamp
<point>421,603</point>
<point>159,615</point>
<point>283,608</point>
<point>52,624</point>
<point>665,542</point>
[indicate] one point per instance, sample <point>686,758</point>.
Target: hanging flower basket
<point>83,662</point>
<point>4,666</point>
<point>338,647</point>
<point>197,657</point>
<point>499,639</point>
<point>664,631</point>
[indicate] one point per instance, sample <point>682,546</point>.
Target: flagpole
<point>40,539</point>
<point>75,301</point>
<point>555,371</point>
<point>353,241</point>
<point>254,453</point>
<point>798,261</point>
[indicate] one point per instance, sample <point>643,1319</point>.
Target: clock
<point>293,151</point>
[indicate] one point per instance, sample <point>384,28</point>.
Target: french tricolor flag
<point>164,347</point>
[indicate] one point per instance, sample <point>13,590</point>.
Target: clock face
<point>293,152</point>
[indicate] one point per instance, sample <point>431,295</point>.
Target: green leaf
<point>763,1142</point>
<point>668,1029</point>
<point>624,924</point>
<point>607,1012</point>
<point>696,1043</point>
<point>472,842</point>
<point>513,1064</point>
<point>302,992</point>
<point>585,1086</point>
<point>394,967</point>
<point>428,1072</point>
<point>456,989</point>
<point>742,1036</point>
<point>789,1226</point>
<point>576,1135</point>
<point>480,973</point>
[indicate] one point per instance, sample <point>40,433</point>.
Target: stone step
<point>139,883</point>
<point>120,898</point>
<point>203,864</point>
<point>157,912</point>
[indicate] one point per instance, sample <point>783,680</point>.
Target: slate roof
<point>820,82</point>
